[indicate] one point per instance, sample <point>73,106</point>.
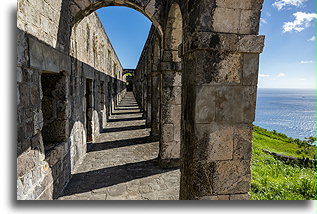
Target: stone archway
<point>217,72</point>
<point>150,8</point>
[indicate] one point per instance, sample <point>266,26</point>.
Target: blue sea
<point>289,111</point>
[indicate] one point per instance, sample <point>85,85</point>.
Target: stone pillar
<point>219,93</point>
<point>144,95</point>
<point>148,99</point>
<point>169,154</point>
<point>156,103</point>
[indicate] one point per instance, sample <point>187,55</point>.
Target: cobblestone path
<point>122,164</point>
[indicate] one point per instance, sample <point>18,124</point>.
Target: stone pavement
<point>122,164</point>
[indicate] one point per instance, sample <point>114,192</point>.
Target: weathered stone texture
<point>195,83</point>
<point>51,93</point>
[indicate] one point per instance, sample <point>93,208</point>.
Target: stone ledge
<point>225,42</point>
<point>46,58</point>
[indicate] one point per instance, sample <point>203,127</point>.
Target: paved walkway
<point>122,164</point>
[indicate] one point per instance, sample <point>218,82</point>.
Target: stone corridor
<point>122,163</point>
<point>195,90</point>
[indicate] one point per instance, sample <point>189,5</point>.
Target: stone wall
<point>147,82</point>
<point>68,80</point>
<point>196,83</point>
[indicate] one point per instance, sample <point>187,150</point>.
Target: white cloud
<point>302,21</point>
<point>280,4</point>
<point>312,39</point>
<point>302,79</point>
<point>307,62</point>
<point>264,75</point>
<point>263,21</point>
<point>281,75</point>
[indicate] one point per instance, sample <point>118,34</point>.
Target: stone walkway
<point>122,164</point>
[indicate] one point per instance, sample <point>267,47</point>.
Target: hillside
<point>274,179</point>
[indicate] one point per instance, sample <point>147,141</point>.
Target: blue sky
<point>127,30</point>
<point>289,56</point>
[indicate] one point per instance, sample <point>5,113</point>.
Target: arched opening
<point>127,152</point>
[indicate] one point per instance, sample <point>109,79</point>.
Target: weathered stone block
<point>24,90</point>
<point>229,68</point>
<point>213,67</point>
<point>172,95</point>
<point>216,141</point>
<point>226,20</point>
<point>167,132</point>
<point>171,56</point>
<point>171,114</point>
<point>250,69</point>
<point>25,163</point>
<point>22,48</point>
<point>171,78</point>
<point>204,104</point>
<point>44,57</point>
<point>236,104</point>
<point>242,138</point>
<point>29,129</point>
<point>35,96</point>
<point>210,40</point>
<point>170,150</point>
<point>232,177</point>
<point>249,22</point>
<point>170,66</point>
<point>251,44</point>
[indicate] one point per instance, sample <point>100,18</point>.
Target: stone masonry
<point>195,84</point>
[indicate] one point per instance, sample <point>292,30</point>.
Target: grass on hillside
<point>273,179</point>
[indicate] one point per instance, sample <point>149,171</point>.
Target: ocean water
<point>289,111</point>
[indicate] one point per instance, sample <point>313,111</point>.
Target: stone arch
<point>150,8</point>
<point>173,33</point>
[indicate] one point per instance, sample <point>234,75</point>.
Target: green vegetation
<point>129,75</point>
<point>274,179</point>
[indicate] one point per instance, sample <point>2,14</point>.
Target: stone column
<point>220,71</point>
<point>144,94</point>
<point>148,99</point>
<point>156,103</point>
<point>169,154</point>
